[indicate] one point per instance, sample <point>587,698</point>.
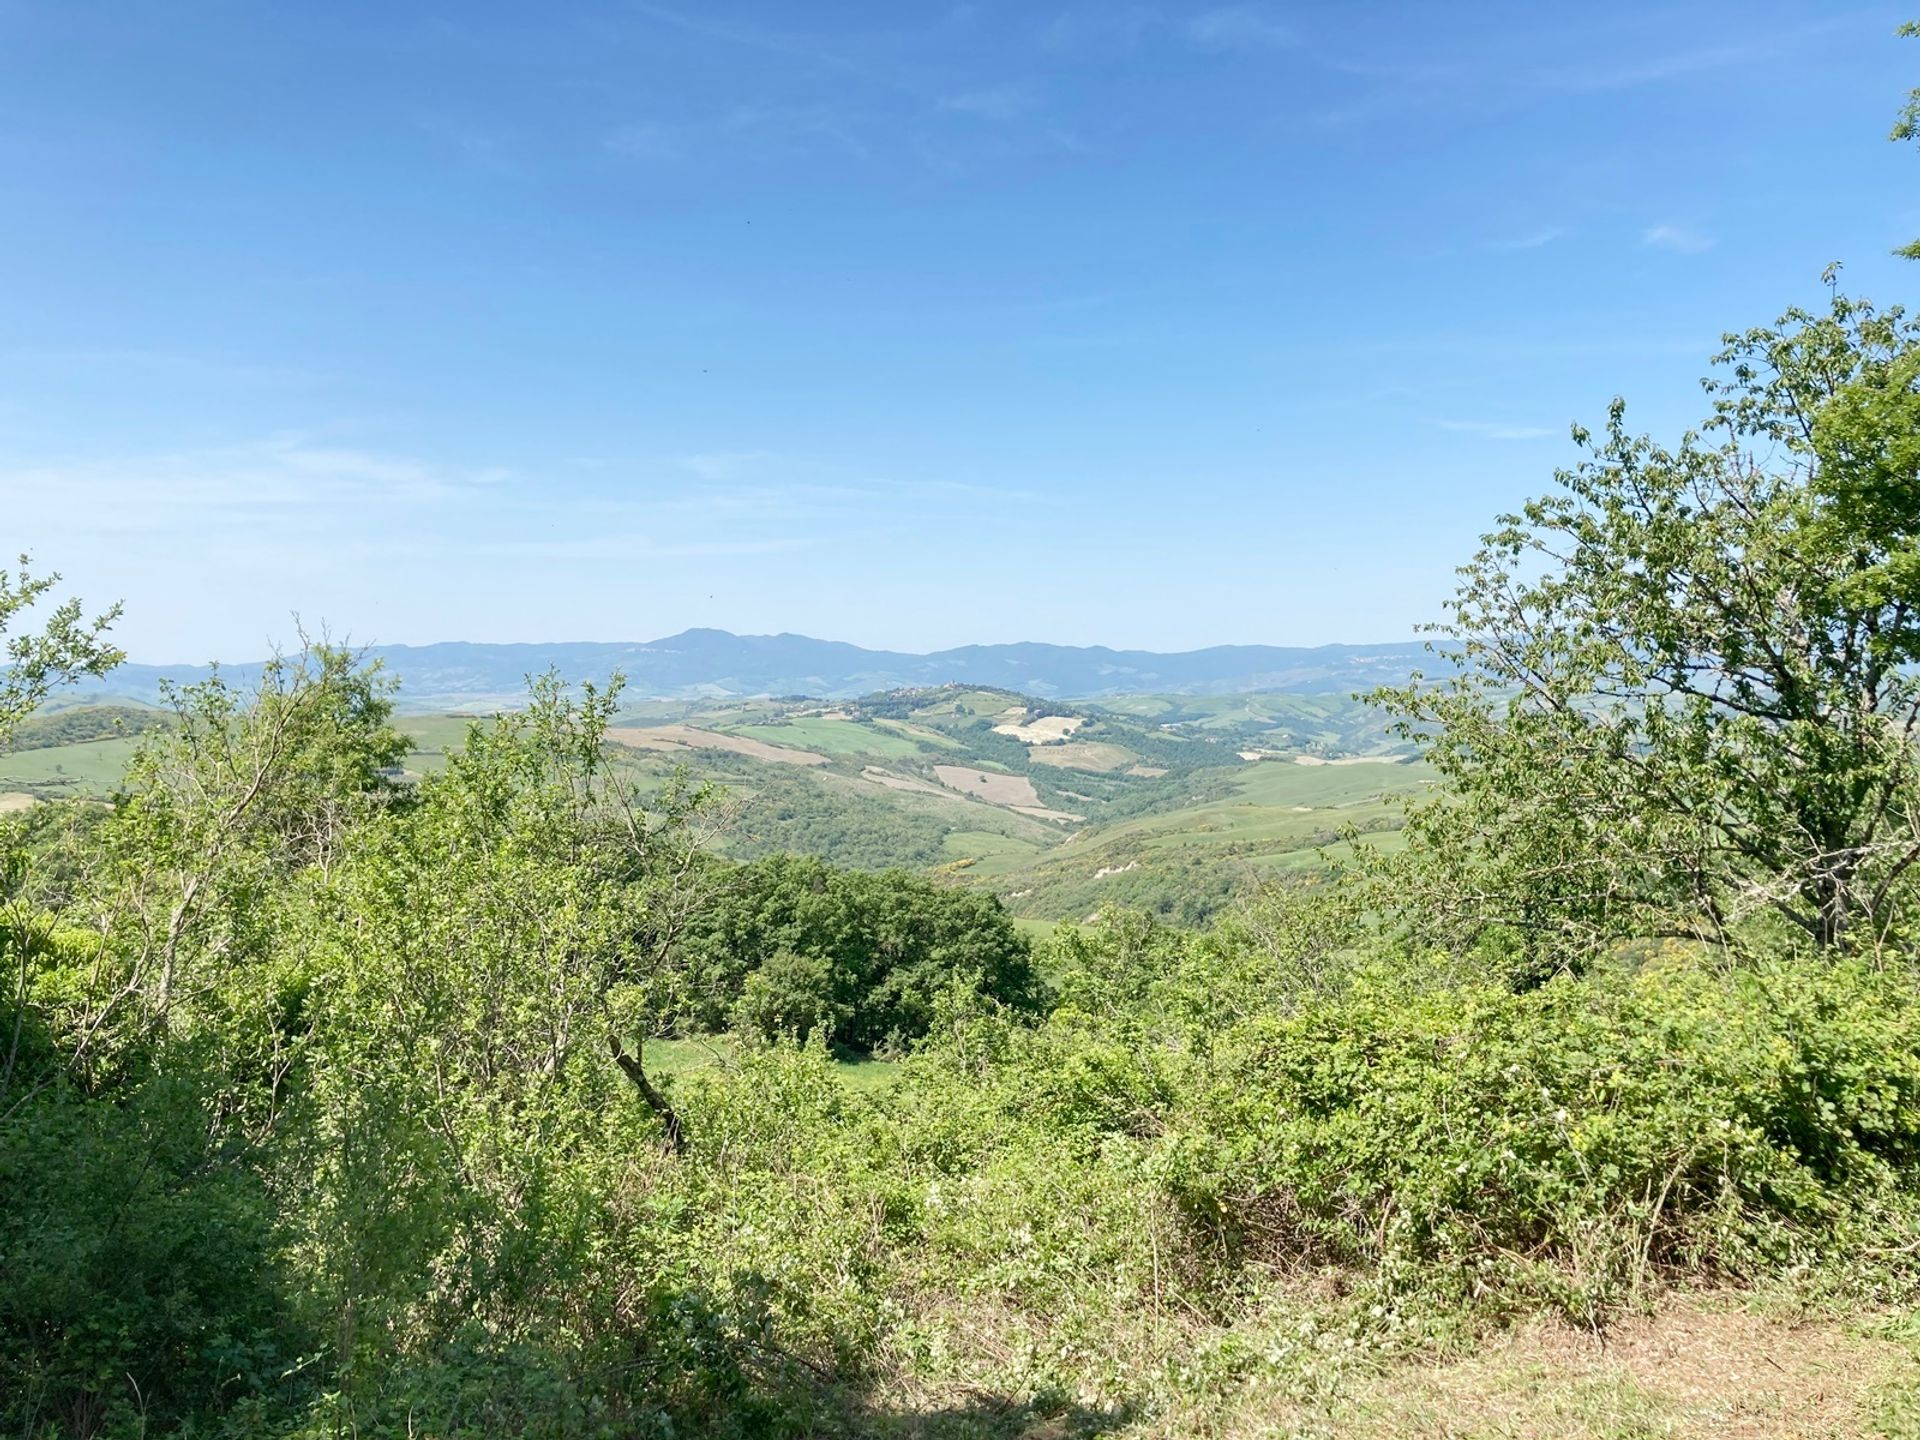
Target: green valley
<point>1177,804</point>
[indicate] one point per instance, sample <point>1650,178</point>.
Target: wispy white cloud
<point>1530,239</point>
<point>1097,31</point>
<point>180,365</point>
<point>792,45</point>
<point>312,499</point>
<point>1108,31</point>
<point>639,546</point>
<point>1681,239</point>
<point>995,102</point>
<point>1480,73</point>
<point>1658,67</point>
<point>281,476</point>
<point>803,127</point>
<point>1495,430</point>
<point>726,464</point>
<point>1241,27</point>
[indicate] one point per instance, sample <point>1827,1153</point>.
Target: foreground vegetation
<point>332,1103</point>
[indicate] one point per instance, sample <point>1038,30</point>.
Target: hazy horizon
<point>554,642</point>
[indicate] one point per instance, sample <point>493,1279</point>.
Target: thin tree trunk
<point>657,1102</point>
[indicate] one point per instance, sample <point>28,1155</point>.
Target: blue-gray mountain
<point>715,663</point>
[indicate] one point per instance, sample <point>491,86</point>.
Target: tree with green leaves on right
<point>1687,689</point>
<point>1907,128</point>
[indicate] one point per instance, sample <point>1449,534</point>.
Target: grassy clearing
<point>920,734</point>
<point>1277,806</point>
<point>965,703</point>
<point>689,738</point>
<point>93,767</point>
<point>433,737</point>
<point>1034,928</point>
<point>993,786</point>
<point>991,853</point>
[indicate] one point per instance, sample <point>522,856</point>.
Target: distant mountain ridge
<point>697,664</point>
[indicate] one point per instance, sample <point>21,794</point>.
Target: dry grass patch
<point>1015,792</point>
<point>1693,1371</point>
<point>15,800</point>
<point>901,782</point>
<point>1697,1369</point>
<point>989,785</point>
<point>1042,812</point>
<point>688,737</point>
<point>1093,755</point>
<point>1039,732</point>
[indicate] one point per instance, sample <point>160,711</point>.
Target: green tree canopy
<point>65,646</point>
<point>800,945</point>
<point>1687,687</point>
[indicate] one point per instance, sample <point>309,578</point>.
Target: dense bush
<point>1574,1142</point>
<point>789,944</point>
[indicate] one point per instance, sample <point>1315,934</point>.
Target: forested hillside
<point>510,1077</point>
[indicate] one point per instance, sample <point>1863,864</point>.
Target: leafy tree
<point>789,944</point>
<point>795,996</point>
<point>1907,128</point>
<point>1689,687</point>
<point>65,646</point>
<point>219,812</point>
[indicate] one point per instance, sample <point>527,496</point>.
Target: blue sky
<point>913,325</point>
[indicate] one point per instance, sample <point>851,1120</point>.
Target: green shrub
<point>868,956</point>
<point>141,1284</point>
<point>1569,1142</point>
<point>793,996</point>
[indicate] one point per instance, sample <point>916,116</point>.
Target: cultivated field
<point>1083,755</point>
<point>686,737</point>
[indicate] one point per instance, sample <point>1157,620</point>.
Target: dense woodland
<point>326,1105</point>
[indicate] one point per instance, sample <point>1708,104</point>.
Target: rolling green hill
<point>1174,803</point>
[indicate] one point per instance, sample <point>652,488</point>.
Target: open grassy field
<point>987,854</point>
<point>433,737</point>
<point>1277,801</point>
<point>1193,853</point>
<point>921,734</point>
<point>1700,1367</point>
<point>92,767</point>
